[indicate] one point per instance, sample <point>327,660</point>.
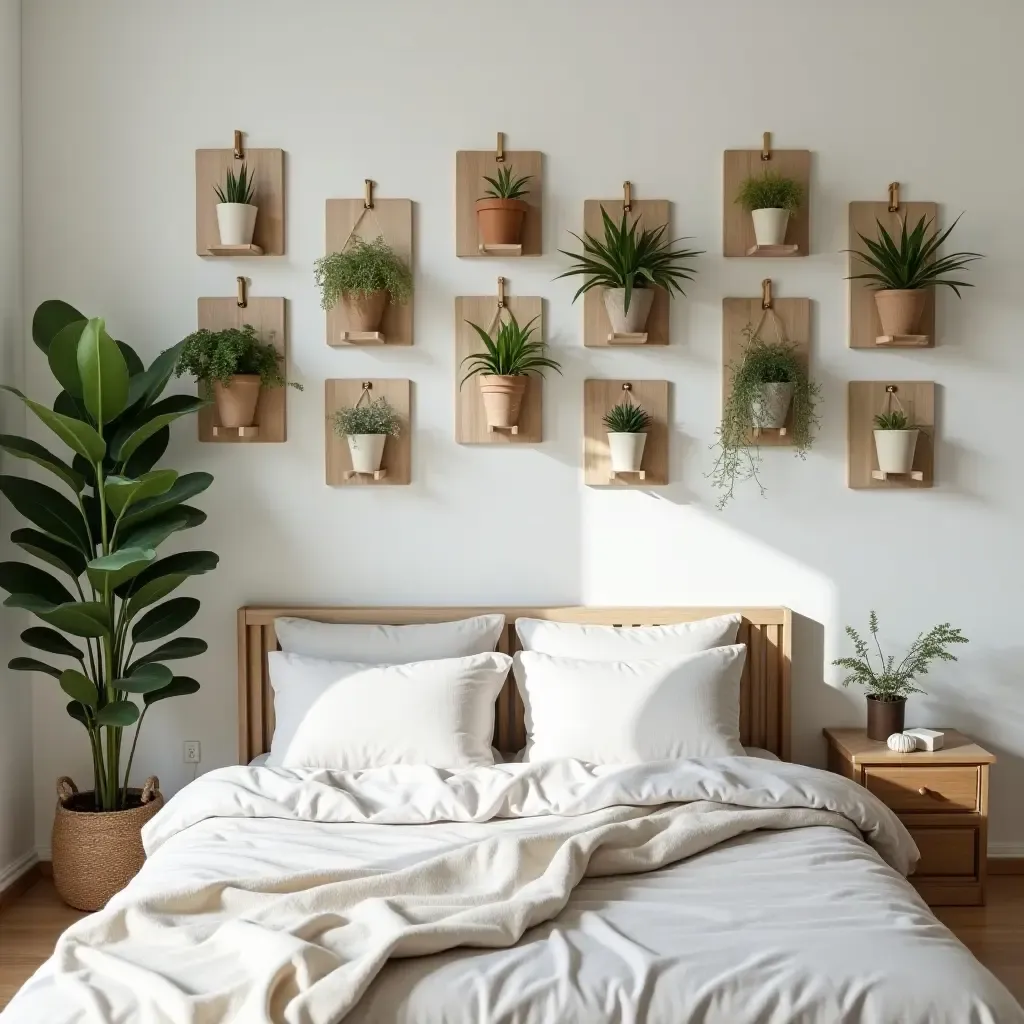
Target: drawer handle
<point>925,791</point>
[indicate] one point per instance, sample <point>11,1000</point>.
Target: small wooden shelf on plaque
<point>627,339</point>
<point>243,433</point>
<point>235,250</point>
<point>774,251</point>
<point>903,340</point>
<point>868,398</point>
<point>914,474</point>
<point>501,250</point>
<point>627,477</point>
<point>362,338</point>
<point>379,474</point>
<point>396,464</point>
<point>599,396</point>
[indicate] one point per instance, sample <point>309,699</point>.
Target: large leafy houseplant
<point>104,538</point>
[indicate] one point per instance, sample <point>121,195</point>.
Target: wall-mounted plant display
<point>501,211</point>
<point>366,428</point>
<point>769,396</point>
<point>502,368</point>
<point>891,434</point>
<point>368,432</point>
<point>628,263</point>
<point>625,433</point>
<point>903,268</point>
<point>627,425</point>
<point>236,212</point>
<point>770,198</point>
<point>104,540</point>
<point>895,442</point>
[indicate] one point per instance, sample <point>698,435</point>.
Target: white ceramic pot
<point>236,222</point>
<point>366,450</point>
<point>769,412</point>
<point>634,320</point>
<point>770,226</point>
<point>626,451</point>
<point>895,450</point>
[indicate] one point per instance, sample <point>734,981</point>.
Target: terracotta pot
<point>367,451</point>
<point>769,412</point>
<point>885,717</point>
<point>626,451</point>
<point>633,320</point>
<point>365,311</point>
<point>500,221</point>
<point>236,401</point>
<point>97,853</point>
<point>895,450</point>
<point>900,310</point>
<point>770,225</point>
<point>503,398</point>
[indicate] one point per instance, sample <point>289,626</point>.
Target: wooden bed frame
<point>764,700</point>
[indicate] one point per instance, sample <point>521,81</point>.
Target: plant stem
<point>131,753</point>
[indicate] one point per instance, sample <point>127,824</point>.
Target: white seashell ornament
<point>901,743</point>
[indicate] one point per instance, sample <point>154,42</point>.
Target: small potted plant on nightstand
<point>365,276</point>
<point>627,425</point>
<point>770,199</point>
<point>890,684</point>
<point>236,213</point>
<point>628,263</point>
<point>895,442</point>
<point>502,369</point>
<point>234,364</point>
<point>367,428</point>
<point>902,269</point>
<point>501,212</point>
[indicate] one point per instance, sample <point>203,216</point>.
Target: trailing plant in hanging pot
<point>236,212</point>
<point>234,364</point>
<point>366,428</point>
<point>770,389</point>
<point>895,441</point>
<point>502,369</point>
<point>770,199</point>
<point>501,211</point>
<point>627,425</point>
<point>365,277</point>
<point>104,540</point>
<point>904,268</point>
<point>890,684</point>
<point>628,263</point>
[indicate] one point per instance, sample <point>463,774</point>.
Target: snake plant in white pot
<point>367,428</point>
<point>236,212</point>
<point>627,425</point>
<point>895,441</point>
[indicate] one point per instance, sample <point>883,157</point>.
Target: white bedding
<point>255,897</point>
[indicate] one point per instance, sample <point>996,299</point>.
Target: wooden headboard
<point>764,700</point>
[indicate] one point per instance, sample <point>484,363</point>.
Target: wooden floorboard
<point>994,933</point>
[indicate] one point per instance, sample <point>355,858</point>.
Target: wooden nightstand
<point>941,797</point>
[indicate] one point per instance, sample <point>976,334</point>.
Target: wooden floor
<point>995,933</point>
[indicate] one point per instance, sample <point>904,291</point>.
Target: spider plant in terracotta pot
<point>502,368</point>
<point>895,441</point>
<point>236,212</point>
<point>902,269</point>
<point>501,211</point>
<point>890,683</point>
<point>770,199</point>
<point>628,263</point>
<point>364,276</point>
<point>770,389</point>
<point>627,425</point>
<point>233,364</point>
<point>367,428</point>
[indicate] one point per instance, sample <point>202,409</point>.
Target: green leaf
<point>50,318</point>
<point>103,371</point>
<point>179,686</point>
<point>145,679</point>
<point>63,358</point>
<point>149,384</point>
<point>119,566</point>
<point>151,592</point>
<point>184,563</point>
<point>131,359</point>
<point>24,448</point>
<point>21,578</point>
<point>174,650</point>
<point>77,712</point>
<point>78,436</point>
<point>51,550</point>
<point>164,619</point>
<point>148,454</point>
<point>32,665</point>
<point>188,485</point>
<point>129,437</point>
<point>118,713</point>
<point>122,491</point>
<point>153,532</point>
<point>79,687</point>
<point>46,639</point>
<point>48,509</point>
<point>83,618</point>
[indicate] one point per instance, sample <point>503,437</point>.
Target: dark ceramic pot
<point>885,717</point>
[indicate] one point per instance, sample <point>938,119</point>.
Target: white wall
<point>17,842</point>
<point>120,94</point>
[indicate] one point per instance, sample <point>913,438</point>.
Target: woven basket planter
<point>97,853</point>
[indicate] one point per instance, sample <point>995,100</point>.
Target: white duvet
<point>275,895</point>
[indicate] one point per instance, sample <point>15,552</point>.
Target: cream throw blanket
<point>302,949</point>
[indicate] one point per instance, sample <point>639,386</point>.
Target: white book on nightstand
<point>926,739</point>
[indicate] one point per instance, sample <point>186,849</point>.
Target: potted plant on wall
<point>890,684</point>
<point>768,384</point>
<point>367,428</point>
<point>236,213</point>
<point>627,425</point>
<point>502,369</point>
<point>628,263</point>
<point>895,441</point>
<point>234,364</point>
<point>903,269</point>
<point>501,211</point>
<point>104,542</point>
<point>364,276</point>
<point>770,199</point>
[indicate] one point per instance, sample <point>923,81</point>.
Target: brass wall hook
<point>499,154</point>
<point>501,293</point>
<point>627,197</point>
<point>367,194</point>
<point>243,298</point>
<point>367,385</point>
<point>766,146</point>
<point>627,386</point>
<point>894,196</point>
<point>239,149</point>
<point>766,293</point>
<point>891,389</point>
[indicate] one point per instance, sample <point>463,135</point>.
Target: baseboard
<point>1006,858</point>
<point>17,877</point>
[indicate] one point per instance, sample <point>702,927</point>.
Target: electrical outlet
<point>191,752</point>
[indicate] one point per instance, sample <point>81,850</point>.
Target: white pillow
<point>625,712</point>
<point>336,714</point>
<point>389,645</point>
<point>627,643</point>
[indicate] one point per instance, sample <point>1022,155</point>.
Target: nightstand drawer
<point>933,790</point>
<point>946,852</point>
